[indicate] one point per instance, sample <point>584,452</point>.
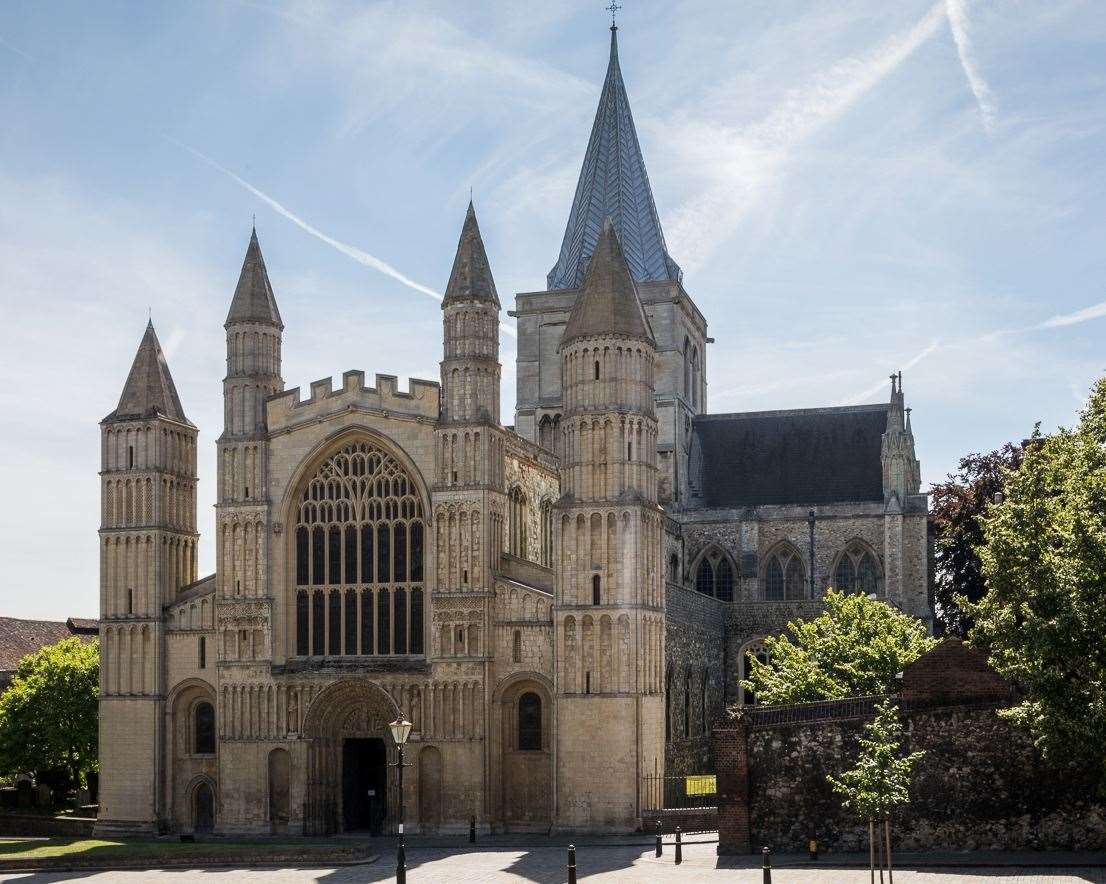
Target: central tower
<point>609,593</point>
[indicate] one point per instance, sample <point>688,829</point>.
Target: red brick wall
<point>952,673</point>
<point>731,754</point>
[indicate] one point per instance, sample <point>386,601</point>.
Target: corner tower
<point>609,593</point>
<point>147,553</point>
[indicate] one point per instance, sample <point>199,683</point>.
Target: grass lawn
<point>13,850</point>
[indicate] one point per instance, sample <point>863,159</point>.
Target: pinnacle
<point>254,300</point>
<point>471,276</point>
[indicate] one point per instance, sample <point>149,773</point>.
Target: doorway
<point>364,785</point>
<point>204,810</point>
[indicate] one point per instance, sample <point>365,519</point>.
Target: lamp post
<point>810,520</point>
<point>401,730</point>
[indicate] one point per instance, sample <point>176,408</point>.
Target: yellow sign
<point>702,784</point>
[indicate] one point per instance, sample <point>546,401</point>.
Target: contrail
<point>957,12</point>
<point>914,360</point>
<point>1095,311</point>
<point>359,255</point>
<point>16,50</point>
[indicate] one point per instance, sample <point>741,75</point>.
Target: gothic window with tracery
<point>858,571</point>
<point>754,650</point>
<point>714,575</point>
<point>784,576</point>
<point>359,553</point>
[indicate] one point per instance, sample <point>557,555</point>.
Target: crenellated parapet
<point>288,410</point>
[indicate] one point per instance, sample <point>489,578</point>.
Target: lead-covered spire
<point>471,276</point>
<point>254,300</point>
<point>149,390</point>
<point>613,183</point>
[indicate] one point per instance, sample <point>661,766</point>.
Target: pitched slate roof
<point>471,276</point>
<point>808,456</point>
<point>613,183</point>
<point>253,299</point>
<point>149,390</point>
<point>609,303</point>
<point>18,638</point>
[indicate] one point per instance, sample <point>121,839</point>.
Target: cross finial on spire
<point>613,10</point>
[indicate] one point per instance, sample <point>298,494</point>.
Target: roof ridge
<point>786,412</point>
<point>613,183</point>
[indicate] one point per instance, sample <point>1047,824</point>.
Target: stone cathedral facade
<point>560,607</point>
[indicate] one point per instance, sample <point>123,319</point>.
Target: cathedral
<point>561,608</point>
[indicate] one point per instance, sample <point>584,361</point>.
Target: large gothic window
<point>857,571</point>
<point>714,575</point>
<point>784,576</point>
<point>359,557</point>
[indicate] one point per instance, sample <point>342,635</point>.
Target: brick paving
<point>601,864</point>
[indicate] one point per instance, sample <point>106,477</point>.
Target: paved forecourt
<point>596,864</point>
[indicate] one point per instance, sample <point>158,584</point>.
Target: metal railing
<point>679,792</point>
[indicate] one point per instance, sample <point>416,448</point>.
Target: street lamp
<point>401,730</point>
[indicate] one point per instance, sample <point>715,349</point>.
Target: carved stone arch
<point>707,566</point>
<point>754,647</point>
<point>783,573</point>
<point>522,778</point>
<point>198,806</point>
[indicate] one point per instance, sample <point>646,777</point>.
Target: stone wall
<point>982,784</point>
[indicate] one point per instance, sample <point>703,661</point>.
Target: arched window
<point>784,576</point>
<point>516,522</point>
<point>547,533</point>
<point>597,369</point>
<point>753,650</point>
<point>857,571</point>
<point>673,568</point>
<point>595,590</point>
<point>714,575</point>
<point>687,368</point>
<point>516,647</point>
<point>359,550</point>
<point>529,723</point>
<point>203,729</point>
<point>695,378</point>
<point>203,652</point>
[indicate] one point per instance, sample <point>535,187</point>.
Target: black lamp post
<point>401,730</point>
<point>810,520</point>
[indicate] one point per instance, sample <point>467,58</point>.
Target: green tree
<point>957,505</point>
<point>1043,618</point>
<point>48,715</point>
<point>880,779</point>
<point>853,648</point>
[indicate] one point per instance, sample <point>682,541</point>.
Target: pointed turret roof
<point>613,183</point>
<point>253,298</point>
<point>609,303</point>
<point>471,276</point>
<point>149,391</point>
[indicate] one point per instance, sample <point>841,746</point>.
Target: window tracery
<point>858,571</point>
<point>714,575</point>
<point>359,557</point>
<point>784,575</point>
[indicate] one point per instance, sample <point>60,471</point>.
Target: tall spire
<point>149,391</point>
<point>613,183</point>
<point>253,298</point>
<point>471,276</point>
<point>609,303</point>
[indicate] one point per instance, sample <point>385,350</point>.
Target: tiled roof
<point>613,184</point>
<point>149,390</point>
<point>18,638</point>
<point>609,304</point>
<point>810,456</point>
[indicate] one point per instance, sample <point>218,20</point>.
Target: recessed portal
<point>364,785</point>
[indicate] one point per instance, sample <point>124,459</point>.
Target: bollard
<point>812,848</point>
<point>660,844</point>
<point>767,854</point>
<point>571,864</point>
<point>679,847</point>
<point>472,830</point>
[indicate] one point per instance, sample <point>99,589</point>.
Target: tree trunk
<point>872,849</point>
<point>887,832</point>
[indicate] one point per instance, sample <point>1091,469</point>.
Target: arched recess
<point>755,648</point>
<point>714,573</point>
<point>357,550</point>
<point>185,765</point>
<point>857,569</point>
<point>350,751</point>
<point>522,753</point>
<point>280,790</point>
<point>202,805</point>
<point>783,576</point>
<point>430,789</point>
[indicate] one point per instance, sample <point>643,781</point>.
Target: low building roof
<point>18,637</point>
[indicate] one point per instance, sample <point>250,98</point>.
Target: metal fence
<point>679,792</point>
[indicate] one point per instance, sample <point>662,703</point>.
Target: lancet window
<point>714,575</point>
<point>857,571</point>
<point>784,576</point>
<point>359,557</point>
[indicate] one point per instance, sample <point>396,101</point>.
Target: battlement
<point>287,408</point>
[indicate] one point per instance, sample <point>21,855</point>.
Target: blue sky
<point>851,188</point>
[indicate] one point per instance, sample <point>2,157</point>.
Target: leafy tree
<point>48,715</point>
<point>853,648</point>
<point>880,780</point>
<point>958,504</point>
<point>1043,618</point>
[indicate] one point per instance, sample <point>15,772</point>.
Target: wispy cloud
<point>747,161</point>
<point>957,12</point>
<point>1095,311</point>
<point>931,348</point>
